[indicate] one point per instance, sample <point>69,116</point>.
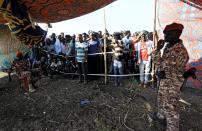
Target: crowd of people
<point>126,53</point>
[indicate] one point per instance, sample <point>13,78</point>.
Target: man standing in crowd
<point>62,45</point>
<point>48,45</point>
<point>135,68</point>
<point>127,42</point>
<point>70,45</point>
<point>85,37</point>
<point>93,60</point>
<point>171,62</point>
<point>144,52</point>
<point>81,57</point>
<point>57,45</point>
<point>117,48</point>
<point>70,53</point>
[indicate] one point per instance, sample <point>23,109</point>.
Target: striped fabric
<point>81,52</point>
<point>20,23</point>
<point>118,51</point>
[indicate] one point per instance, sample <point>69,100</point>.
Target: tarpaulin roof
<point>49,11</point>
<point>195,3</point>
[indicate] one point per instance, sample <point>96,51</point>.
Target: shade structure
<point>194,3</point>
<point>50,11</point>
<point>8,47</point>
<point>189,14</point>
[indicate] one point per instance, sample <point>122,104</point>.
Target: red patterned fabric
<point>195,3</point>
<point>50,11</point>
<point>191,18</point>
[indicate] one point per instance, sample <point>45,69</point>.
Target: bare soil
<point>56,106</point>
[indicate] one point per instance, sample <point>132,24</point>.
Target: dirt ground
<point>57,106</point>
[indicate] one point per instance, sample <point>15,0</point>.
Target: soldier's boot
<point>37,84</point>
<point>31,88</point>
<point>160,118</point>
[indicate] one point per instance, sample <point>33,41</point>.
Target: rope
<point>125,75</point>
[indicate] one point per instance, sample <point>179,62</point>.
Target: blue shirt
<point>93,46</point>
<point>58,47</point>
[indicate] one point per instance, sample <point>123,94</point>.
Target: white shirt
<point>58,47</point>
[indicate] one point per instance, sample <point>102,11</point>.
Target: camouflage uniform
<point>21,67</point>
<point>173,62</point>
<point>26,76</point>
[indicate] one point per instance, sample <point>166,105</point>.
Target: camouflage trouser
<point>25,79</point>
<point>29,77</point>
<point>36,74</point>
<point>168,100</point>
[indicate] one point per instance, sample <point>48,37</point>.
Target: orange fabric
<point>50,11</point>
<point>144,52</point>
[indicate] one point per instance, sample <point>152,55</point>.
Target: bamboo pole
<point>154,38</point>
<point>105,46</point>
<point>155,6</point>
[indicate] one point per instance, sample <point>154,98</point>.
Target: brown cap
<point>173,26</point>
<point>19,54</point>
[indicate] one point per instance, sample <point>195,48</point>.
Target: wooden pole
<point>105,48</point>
<point>154,39</point>
<point>155,6</point>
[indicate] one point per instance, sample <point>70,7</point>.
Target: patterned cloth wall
<point>170,11</point>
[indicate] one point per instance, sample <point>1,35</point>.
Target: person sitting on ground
<point>53,67</point>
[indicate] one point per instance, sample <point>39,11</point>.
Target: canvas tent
<point>8,46</point>
<point>187,12</point>
<point>20,14</point>
<point>49,11</point>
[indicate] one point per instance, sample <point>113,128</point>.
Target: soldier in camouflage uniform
<point>28,77</point>
<point>171,61</point>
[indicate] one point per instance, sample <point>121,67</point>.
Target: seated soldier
<point>22,68</point>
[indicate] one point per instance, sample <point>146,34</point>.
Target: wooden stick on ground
<point>124,122</point>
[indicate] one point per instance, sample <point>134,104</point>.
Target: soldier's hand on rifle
<point>190,73</point>
<point>161,74</point>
